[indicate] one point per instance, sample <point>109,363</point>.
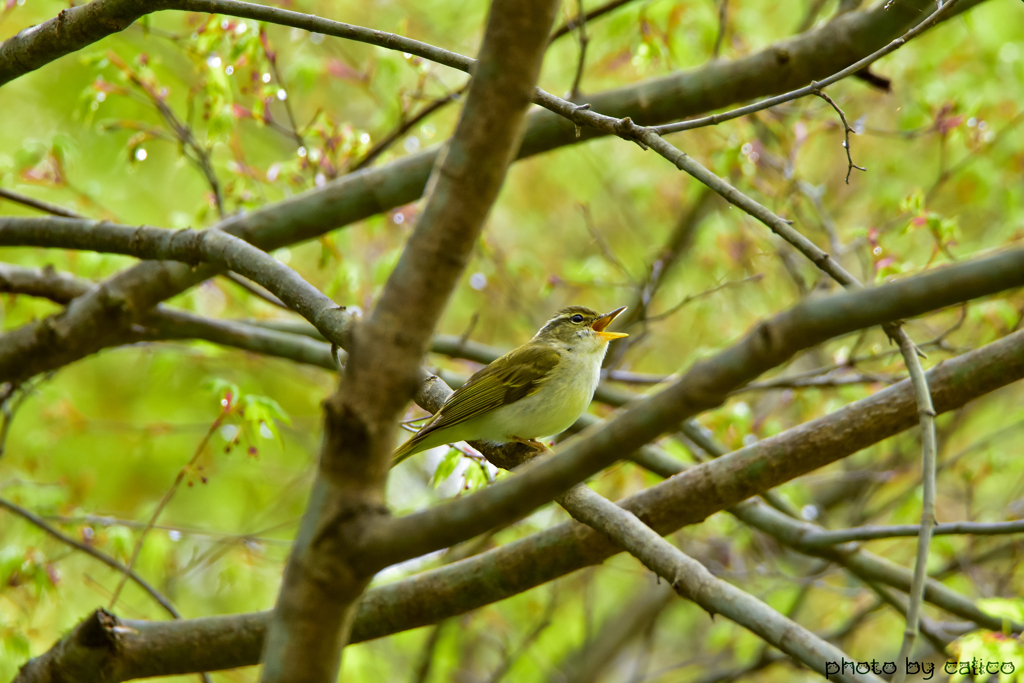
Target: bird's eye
<point>577,318</point>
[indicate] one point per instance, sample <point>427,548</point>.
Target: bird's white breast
<point>561,399</point>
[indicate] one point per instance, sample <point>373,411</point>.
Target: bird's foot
<point>532,443</point>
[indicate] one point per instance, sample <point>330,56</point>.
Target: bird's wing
<point>514,376</point>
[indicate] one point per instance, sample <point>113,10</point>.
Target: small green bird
<point>538,389</point>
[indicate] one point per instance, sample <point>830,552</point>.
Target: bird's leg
<point>532,443</point>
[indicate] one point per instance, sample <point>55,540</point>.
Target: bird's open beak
<point>604,321</point>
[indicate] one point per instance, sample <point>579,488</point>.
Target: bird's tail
<point>407,449</point>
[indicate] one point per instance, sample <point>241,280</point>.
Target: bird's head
<point>579,323</point>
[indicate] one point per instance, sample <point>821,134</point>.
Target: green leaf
<point>96,59</point>
<point>1005,608</point>
<point>303,71</point>
<point>913,203</point>
<point>222,122</point>
<point>222,389</point>
<point>30,154</point>
<point>42,498</point>
<point>476,477</point>
<point>120,541</point>
<point>261,411</point>
<point>986,646</point>
<point>1004,310</point>
<point>11,560</point>
<point>17,644</point>
<point>446,467</point>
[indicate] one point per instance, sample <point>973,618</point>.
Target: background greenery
<point>107,436</point>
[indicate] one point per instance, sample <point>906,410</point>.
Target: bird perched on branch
<point>538,389</point>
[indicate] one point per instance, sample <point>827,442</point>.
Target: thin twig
<point>37,204</point>
<point>826,381</point>
<point>679,242</point>
<point>606,250</point>
<point>569,26</point>
<point>583,41</point>
<point>869,533</point>
<point>972,155</point>
<point>256,290</point>
<point>14,397</point>
<point>92,552</point>
<point>510,658</point>
<point>723,16</point>
<point>938,639</point>
<point>926,412</point>
<point>811,16</point>
<point>693,581</point>
<point>846,131</point>
<point>272,58</point>
<point>795,380</point>
<point>814,194</point>
<point>715,119</point>
<point>426,659</point>
<point>168,495</point>
<point>104,520</point>
<point>182,131</point>
<point>658,270</point>
<point>405,126</point>
<point>791,531</point>
<point>690,298</point>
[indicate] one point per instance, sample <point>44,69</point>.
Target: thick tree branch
<point>687,576</point>
<point>786,529</point>
<point>104,317</point>
<point>697,493</point>
<point>105,649</point>
<point>164,324</point>
<point>325,574</point>
<point>862,564</point>
<point>215,247</point>
<point>801,536</point>
<point>693,581</point>
<point>652,138</point>
<point>944,11</point>
<point>706,385</point>
<point>44,282</point>
<point>213,643</point>
<point>78,27</point>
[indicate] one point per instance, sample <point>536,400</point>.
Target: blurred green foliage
<point>277,111</point>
